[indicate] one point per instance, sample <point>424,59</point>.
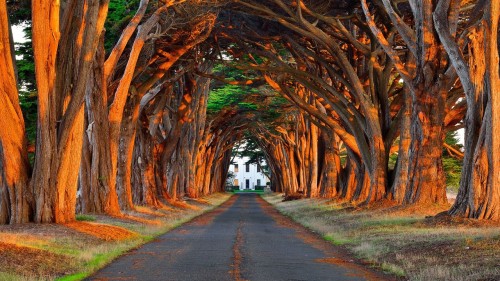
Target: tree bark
<point>96,188</point>
<point>399,186</point>
<point>60,99</point>
<point>479,192</point>
<point>16,199</point>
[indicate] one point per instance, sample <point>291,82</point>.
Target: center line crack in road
<point>237,255</point>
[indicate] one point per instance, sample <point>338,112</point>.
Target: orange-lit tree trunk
<point>62,68</point>
<point>213,152</point>
<point>400,182</point>
<point>479,192</point>
<point>301,157</point>
<point>122,133</point>
<point>131,107</point>
<point>95,187</point>
<point>197,121</point>
<point>330,167</point>
<point>351,177</point>
<point>428,85</point>
<point>427,182</point>
<point>426,179</point>
<point>16,198</point>
<point>174,156</point>
<point>166,142</point>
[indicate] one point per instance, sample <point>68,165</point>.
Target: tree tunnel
<point>349,100</point>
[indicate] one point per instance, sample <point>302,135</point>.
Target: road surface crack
<point>237,254</point>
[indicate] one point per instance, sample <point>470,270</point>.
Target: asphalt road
<point>244,239</point>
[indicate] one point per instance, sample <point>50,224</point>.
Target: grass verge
<point>248,191</point>
<point>405,242</point>
<point>76,250</point>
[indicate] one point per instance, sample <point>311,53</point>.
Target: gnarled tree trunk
<point>16,198</point>
<point>62,68</point>
<point>479,192</point>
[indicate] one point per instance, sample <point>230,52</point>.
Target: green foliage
<point>232,73</point>
<point>259,102</point>
<point>393,160</point>
<point>451,165</point>
<point>226,96</point>
<point>25,61</point>
<point>25,64</point>
<point>453,170</point>
<point>29,107</point>
<point>19,11</point>
<point>238,97</point>
<point>452,139</point>
<point>119,14</point>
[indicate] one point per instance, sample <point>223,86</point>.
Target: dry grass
<point>102,231</point>
<point>403,241</point>
<point>73,251</point>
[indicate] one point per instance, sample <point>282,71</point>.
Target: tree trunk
<point>400,184</point>
<point>45,21</point>
<point>479,192</point>
<point>125,156</point>
<point>429,88</point>
<point>330,167</point>
<point>60,99</point>
<point>97,190</point>
<point>16,198</point>
<point>427,182</point>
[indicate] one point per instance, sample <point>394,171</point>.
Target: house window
<point>236,183</point>
<point>247,168</point>
<point>258,182</point>
<point>258,169</point>
<point>235,169</point>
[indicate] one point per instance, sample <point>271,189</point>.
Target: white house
<point>247,176</point>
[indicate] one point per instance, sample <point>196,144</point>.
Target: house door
<point>247,184</point>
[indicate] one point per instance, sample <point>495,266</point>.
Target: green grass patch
<point>73,277</point>
<point>390,221</point>
<point>337,240</point>
<point>82,217</point>
<point>393,269</point>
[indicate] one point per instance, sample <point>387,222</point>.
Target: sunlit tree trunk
<point>479,192</point>
<point>400,183</point>
<point>426,179</point>
<point>16,198</point>
<point>95,185</point>
<point>61,98</point>
<point>428,85</point>
<point>330,166</point>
